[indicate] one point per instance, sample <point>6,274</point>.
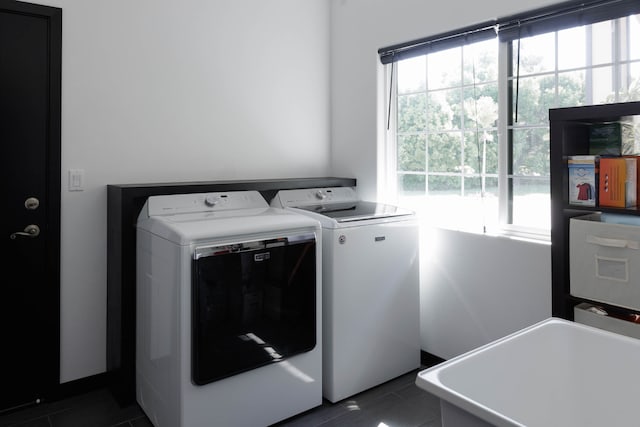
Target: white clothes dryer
<point>371,318</point>
<point>228,311</point>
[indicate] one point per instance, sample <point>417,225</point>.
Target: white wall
<point>161,91</point>
<point>476,289</point>
<point>358,29</point>
<point>166,91</point>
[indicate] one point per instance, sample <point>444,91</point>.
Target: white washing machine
<point>228,311</point>
<point>370,273</point>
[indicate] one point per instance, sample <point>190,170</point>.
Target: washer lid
<point>227,226</point>
<point>356,211</point>
<point>336,205</point>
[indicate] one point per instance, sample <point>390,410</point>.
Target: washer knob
<point>321,195</point>
<point>210,201</point>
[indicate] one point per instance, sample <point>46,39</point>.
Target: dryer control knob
<point>321,195</point>
<point>210,201</point>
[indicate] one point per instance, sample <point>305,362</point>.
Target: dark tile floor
<point>397,403</point>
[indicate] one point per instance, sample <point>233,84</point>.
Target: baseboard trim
<point>84,385</point>
<point>428,360</point>
<point>103,380</point>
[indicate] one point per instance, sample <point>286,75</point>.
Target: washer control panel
<point>314,196</point>
<point>204,202</point>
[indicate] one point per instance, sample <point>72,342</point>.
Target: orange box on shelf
<point>617,186</point>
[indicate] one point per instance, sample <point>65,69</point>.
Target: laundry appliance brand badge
<point>262,257</point>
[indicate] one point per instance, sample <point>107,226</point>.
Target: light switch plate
<point>76,179</point>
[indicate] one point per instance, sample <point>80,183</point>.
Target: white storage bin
<point>608,323</point>
<point>604,258</point>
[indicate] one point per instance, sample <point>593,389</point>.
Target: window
<point>446,132</point>
<point>468,132</point>
<point>583,65</point>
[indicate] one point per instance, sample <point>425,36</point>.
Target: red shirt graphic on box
<point>585,191</point>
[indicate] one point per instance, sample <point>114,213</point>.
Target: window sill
<point>513,233</point>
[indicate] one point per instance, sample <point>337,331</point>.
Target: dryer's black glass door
<point>253,304</point>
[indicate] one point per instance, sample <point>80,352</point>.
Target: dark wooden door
<point>30,58</point>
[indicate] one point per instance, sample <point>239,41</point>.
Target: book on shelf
<point>583,172</point>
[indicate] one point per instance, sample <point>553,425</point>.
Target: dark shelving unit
<point>569,135</point>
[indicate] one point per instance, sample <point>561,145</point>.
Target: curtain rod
<point>552,12</point>
<point>503,24</point>
<point>400,47</point>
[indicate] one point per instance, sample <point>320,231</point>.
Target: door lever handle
<point>31,230</point>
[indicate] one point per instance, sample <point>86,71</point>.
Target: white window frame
<point>389,177</point>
